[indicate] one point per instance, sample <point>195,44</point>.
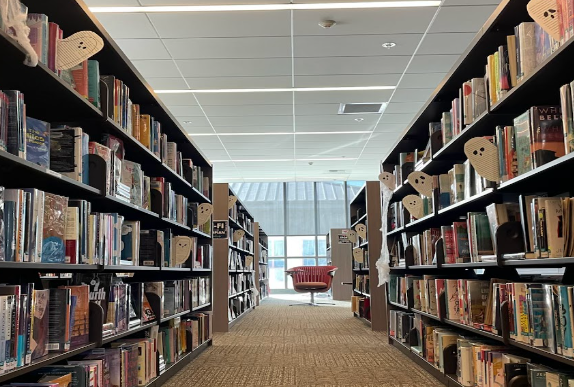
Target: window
<point>297,217</point>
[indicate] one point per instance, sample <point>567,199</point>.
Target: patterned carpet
<point>278,345</point>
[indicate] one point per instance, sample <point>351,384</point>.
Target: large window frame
<point>287,287</point>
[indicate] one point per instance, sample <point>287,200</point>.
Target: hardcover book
<point>80,321</point>
<point>59,336</point>
<point>547,135</point>
<point>523,143</point>
<point>54,225</point>
<point>38,142</point>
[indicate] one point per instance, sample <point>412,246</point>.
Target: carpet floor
<point>279,345</point>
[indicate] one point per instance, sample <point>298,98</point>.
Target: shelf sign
<point>219,229</point>
<point>343,237</point>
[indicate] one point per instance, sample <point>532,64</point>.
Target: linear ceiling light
<point>278,133</point>
<point>283,160</point>
<point>266,7</point>
<point>277,90</point>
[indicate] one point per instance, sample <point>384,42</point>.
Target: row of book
<point>243,243</point>
<point>361,306</point>
<point>362,284</point>
<point>473,361</point>
<point>240,261</point>
<point>240,282</point>
<point>238,213</point>
<point>362,263</point>
<point>37,226</point>
<point>239,305</point>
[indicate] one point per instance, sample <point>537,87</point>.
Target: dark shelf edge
<point>165,319</point>
<point>129,332</point>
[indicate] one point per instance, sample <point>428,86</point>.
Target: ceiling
<point>286,49</point>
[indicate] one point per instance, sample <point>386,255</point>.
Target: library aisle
<point>278,345</point>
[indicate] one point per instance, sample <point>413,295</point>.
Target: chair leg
<point>313,303</point>
<point>313,298</point>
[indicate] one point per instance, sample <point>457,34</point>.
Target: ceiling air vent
<point>362,108</point>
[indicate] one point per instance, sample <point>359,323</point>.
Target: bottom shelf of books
<point>523,331</point>
<point>99,326</point>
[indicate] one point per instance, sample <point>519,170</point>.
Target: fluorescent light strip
<point>278,133</point>
<point>283,160</point>
<point>265,7</point>
<point>276,90</point>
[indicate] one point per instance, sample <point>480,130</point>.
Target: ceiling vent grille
<point>362,108</point>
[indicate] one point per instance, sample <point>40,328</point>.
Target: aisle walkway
<point>278,345</point>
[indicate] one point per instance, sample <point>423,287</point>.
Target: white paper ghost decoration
<point>248,261</point>
<point>414,205</point>
<point>77,48</point>
<point>483,156</point>
<point>352,235</point>
<point>204,211</point>
<point>361,230</point>
<point>231,200</point>
<point>237,235</point>
<point>388,179</point>
<point>182,249</point>
<point>546,14</point>
<point>421,182</point>
<point>358,254</point>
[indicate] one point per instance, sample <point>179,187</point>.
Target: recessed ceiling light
<point>327,23</point>
<point>389,45</point>
<point>359,119</point>
<point>277,90</point>
<point>187,122</point>
<point>267,7</point>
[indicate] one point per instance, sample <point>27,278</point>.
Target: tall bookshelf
<point>261,263</point>
<point>231,260</point>
<point>365,208</point>
<point>49,98</point>
<point>540,87</point>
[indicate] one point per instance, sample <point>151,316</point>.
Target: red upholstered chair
<point>312,279</point>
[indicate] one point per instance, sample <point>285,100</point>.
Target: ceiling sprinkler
<point>327,23</point>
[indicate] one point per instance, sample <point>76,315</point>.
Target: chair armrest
<point>291,271</point>
<point>332,272</point>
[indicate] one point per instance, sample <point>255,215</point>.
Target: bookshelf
<point>511,261</point>
<point>365,208</point>
<point>261,259</point>
<point>231,259</point>
<point>66,106</point>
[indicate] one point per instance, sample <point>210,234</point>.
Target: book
<point>523,143</point>
<point>79,315</point>
<point>54,224</point>
<point>40,320</point>
<point>546,134</point>
<point>80,76</point>
<point>16,135</point>
<point>94,82</point>
<point>66,152</point>
<point>59,335</point>
<point>461,246</point>
<point>38,142</point>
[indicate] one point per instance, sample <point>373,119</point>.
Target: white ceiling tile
<point>412,95</point>
<point>197,121</point>
<point>470,2</point>
<point>176,83</point>
<point>245,98</point>
<point>254,129</point>
<point>248,110</point>
<point>191,129</point>
<point>199,83</point>
<point>403,107</point>
<point>432,63</point>
<point>454,43</point>
<point>384,129</point>
<point>185,111</point>
<point>396,119</point>
<point>354,45</point>
<point>221,48</point>
<point>222,24</point>
<point>178,99</point>
<point>137,49</point>
<point>461,19</point>
<point>236,141</point>
<point>157,68</point>
<point>316,108</point>
<point>127,25</point>
<point>109,3</point>
<point>336,119</point>
<point>388,64</point>
<point>284,152</point>
<point>207,2</point>
<point>421,81</point>
<point>325,127</point>
<point>322,97</point>
<point>212,68</point>
<point>347,80</point>
<point>363,21</point>
<point>328,140</point>
<point>252,121</point>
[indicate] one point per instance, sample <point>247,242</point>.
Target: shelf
<point>47,267</point>
<point>200,234</point>
<point>542,262</point>
<point>240,271</point>
<point>363,270</point>
<point>51,358</point>
<point>236,319</point>
<point>403,190</point>
<point>431,316</point>
<point>361,219</point>
<point>468,265</point>
<point>109,339</point>
<point>426,267</point>
<point>364,320</point>
<point>263,263</point>
<point>364,244</point>
<point>233,224</point>
<point>164,319</point>
<point>362,293</point>
<point>486,194</point>
<point>396,231</point>
<point>201,307</point>
<point>398,305</point>
<point>200,270</point>
<point>177,224</point>
<point>240,250</point>
<point>453,381</point>
<point>418,222</point>
<point>239,293</point>
<point>128,268</point>
<point>542,352</point>
<point>183,269</point>
<point>480,332</point>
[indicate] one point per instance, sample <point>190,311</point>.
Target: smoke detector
<point>389,45</point>
<point>327,23</point>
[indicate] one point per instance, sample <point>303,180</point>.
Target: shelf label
<point>219,229</point>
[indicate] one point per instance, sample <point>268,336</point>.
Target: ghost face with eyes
<point>77,48</point>
<point>414,205</point>
<point>388,179</point>
<point>483,156</point>
<point>421,182</point>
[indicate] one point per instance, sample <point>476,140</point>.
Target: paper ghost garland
<point>77,48</point>
<point>231,200</point>
<point>352,235</point>
<point>358,254</point>
<point>421,182</point>
<point>545,13</point>
<point>182,249</point>
<point>483,156</point>
<point>237,235</point>
<point>414,205</point>
<point>361,230</point>
<point>204,211</point>
<point>388,179</point>
<point>248,261</point>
